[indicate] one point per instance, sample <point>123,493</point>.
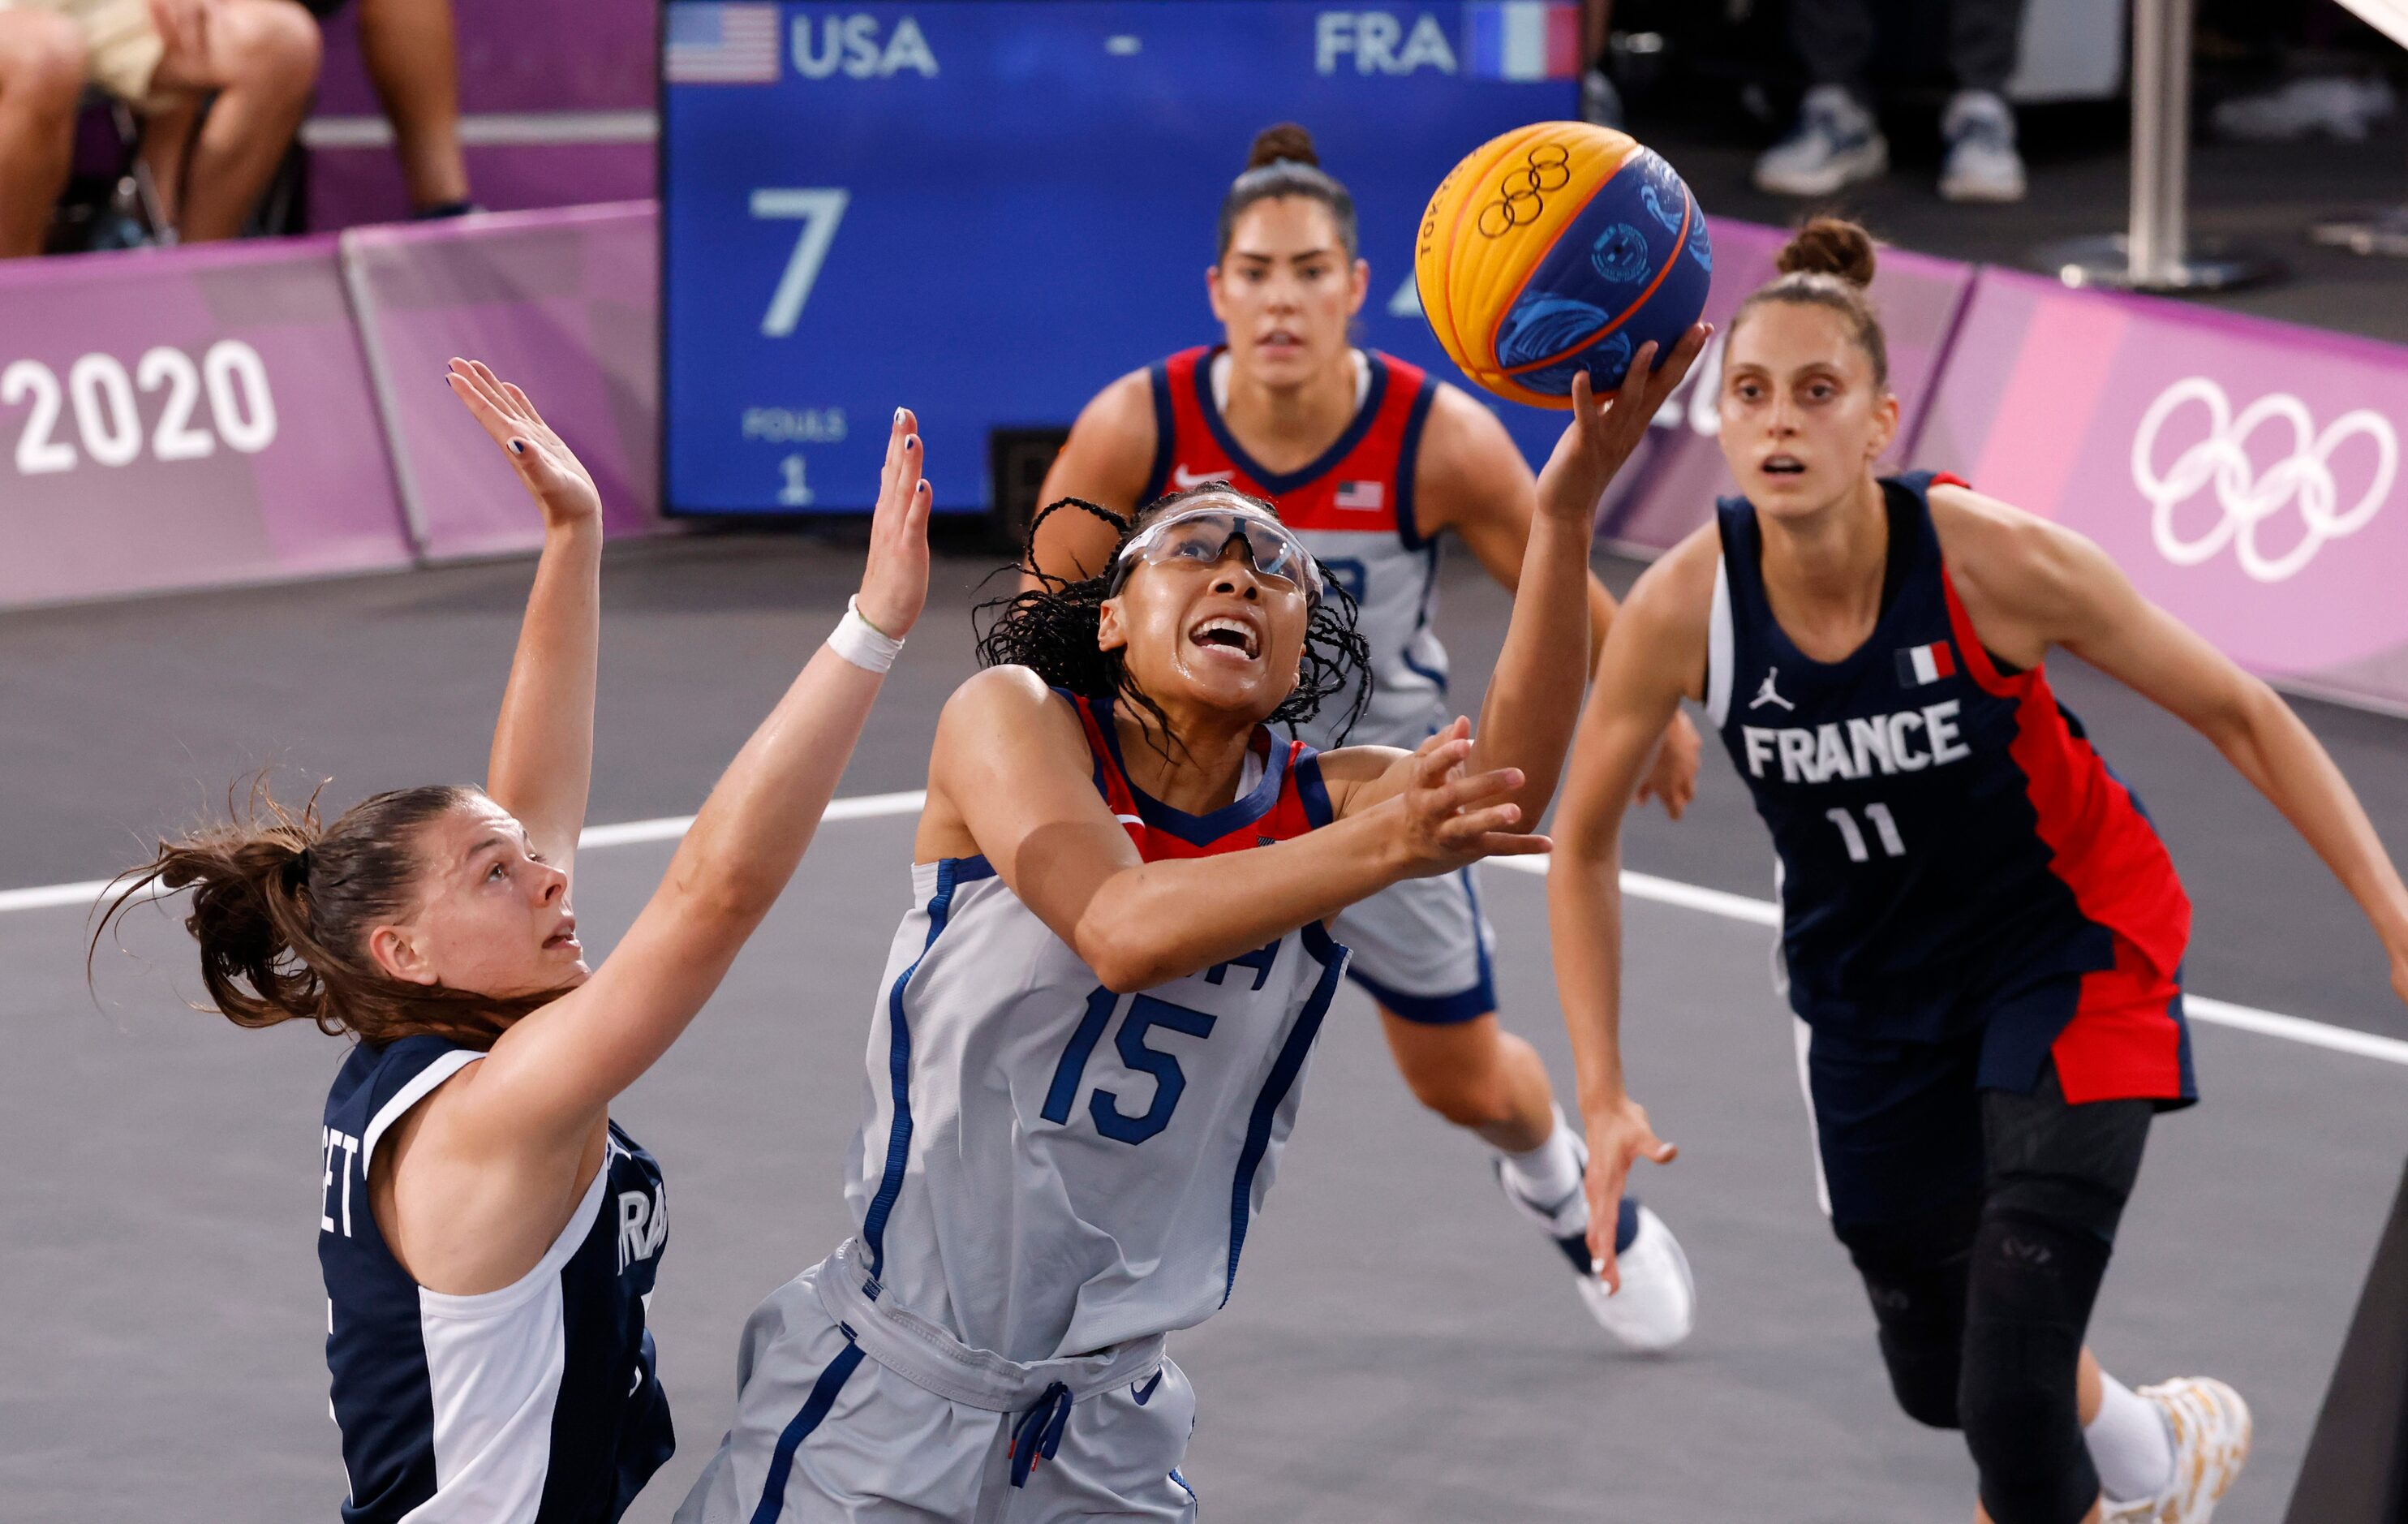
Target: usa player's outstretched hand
<point>1603,435</point>
<point>1446,818</point>
<point>549,469</point>
<point>895,580</point>
<point>1619,1136</point>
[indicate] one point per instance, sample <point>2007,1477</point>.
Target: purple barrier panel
<point>352,186</point>
<point>560,302</point>
<point>2241,471</point>
<point>1671,490</point>
<point>176,418</point>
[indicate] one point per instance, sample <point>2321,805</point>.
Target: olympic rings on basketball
<point>1522,195</point>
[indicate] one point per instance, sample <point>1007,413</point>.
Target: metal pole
<point>2155,253</point>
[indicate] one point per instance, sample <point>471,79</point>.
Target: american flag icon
<point>1366,496</point>
<point>721,45</point>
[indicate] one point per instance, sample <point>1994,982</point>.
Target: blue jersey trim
<point>950,873</point>
<point>1279,486</point>
<point>1409,455</point>
<point>1312,790</point>
<point>1289,1064</point>
<point>1421,619</point>
<point>1196,830</point>
<point>1166,433</point>
<point>815,1408</point>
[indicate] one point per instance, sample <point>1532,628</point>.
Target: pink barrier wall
<point>175,420</point>
<point>1671,488</point>
<point>2240,472</point>
<point>560,302</point>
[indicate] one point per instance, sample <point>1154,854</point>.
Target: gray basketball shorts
<point>845,1411</point>
<point>1421,949</point>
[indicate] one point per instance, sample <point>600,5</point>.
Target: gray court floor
<point>1400,1348</point>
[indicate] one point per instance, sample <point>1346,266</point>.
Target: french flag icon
<point>1522,39</point>
<point>1920,664</point>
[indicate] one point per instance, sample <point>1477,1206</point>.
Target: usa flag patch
<point>1368,497</point>
<point>1920,664</point>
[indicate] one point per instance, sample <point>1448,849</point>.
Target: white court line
<point>1662,891</point>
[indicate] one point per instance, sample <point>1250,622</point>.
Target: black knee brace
<point>1914,1274</point>
<point>2031,1284</point>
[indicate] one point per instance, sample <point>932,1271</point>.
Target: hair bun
<point>1282,141</point>
<point>1829,246</point>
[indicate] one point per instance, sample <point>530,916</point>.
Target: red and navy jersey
<point>1284,799</point>
<point>1353,508</point>
<point>1948,836</point>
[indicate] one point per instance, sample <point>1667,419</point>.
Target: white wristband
<point>861,642</point>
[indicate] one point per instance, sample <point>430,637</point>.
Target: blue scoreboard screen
<point>986,209</point>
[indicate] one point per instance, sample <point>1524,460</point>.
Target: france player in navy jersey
<point>1983,935</point>
<point>1376,464</point>
<point>488,1235</point>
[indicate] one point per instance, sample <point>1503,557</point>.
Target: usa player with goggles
<point>1983,936</point>
<point>1372,462</point>
<point>488,1236</point>
<point>1089,1046</point>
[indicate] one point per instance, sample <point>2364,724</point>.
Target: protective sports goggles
<point>1202,535</point>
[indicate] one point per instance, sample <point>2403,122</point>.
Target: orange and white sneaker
<point>2211,1428</point>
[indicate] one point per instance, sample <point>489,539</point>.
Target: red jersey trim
<point>1289,800</point>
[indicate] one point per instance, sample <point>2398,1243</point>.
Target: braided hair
<point>1051,628</point>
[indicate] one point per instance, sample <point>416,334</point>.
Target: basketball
<point>1556,248</point>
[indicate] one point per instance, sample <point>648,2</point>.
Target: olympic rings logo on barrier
<point>1522,195</point>
<point>2248,498</point>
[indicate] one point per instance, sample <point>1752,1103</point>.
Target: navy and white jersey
<point>1354,508</point>
<point>1947,835</point>
<point>533,1404</point>
<point>1047,1168</point>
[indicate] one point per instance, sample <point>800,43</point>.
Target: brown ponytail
<point>1828,263</point>
<point>1282,161</point>
<point>282,907</point>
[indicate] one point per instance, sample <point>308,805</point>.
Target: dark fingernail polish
<point>518,447</point>
<point>912,442</point>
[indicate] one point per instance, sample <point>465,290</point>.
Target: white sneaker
<point>1983,163</point>
<point>1601,102</point>
<point>2211,1429</point>
<point>1835,143</point>
<point>1657,1304</point>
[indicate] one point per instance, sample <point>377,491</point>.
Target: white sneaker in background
<point>2211,1429</point>
<point>1983,163</point>
<point>1835,143</point>
<point>1601,102</point>
<point>2342,109</point>
<point>1657,1304</point>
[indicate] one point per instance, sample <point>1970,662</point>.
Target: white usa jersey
<point>1353,508</point>
<point>1045,1168</point>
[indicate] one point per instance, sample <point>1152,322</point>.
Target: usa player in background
<point>1371,462</point>
<point>1981,934</point>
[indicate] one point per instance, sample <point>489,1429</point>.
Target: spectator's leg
<point>264,61</point>
<point>410,57</point>
<point>167,149</point>
<point>41,75</point>
<point>1985,39</point>
<point>1834,39</point>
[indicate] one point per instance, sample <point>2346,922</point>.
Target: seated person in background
<point>258,58</point>
<point>254,62</point>
<point>1837,141</point>
<point>414,64</point>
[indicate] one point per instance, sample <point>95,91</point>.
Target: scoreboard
<point>986,209</point>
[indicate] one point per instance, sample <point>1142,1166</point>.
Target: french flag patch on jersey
<point>1364,496</point>
<point>1920,664</point>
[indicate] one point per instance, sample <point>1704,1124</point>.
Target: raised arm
<point>1533,700</point>
<point>1012,771</point>
<point>542,761</point>
<point>557,1067</point>
<point>2030,583</point>
<point>1656,654</point>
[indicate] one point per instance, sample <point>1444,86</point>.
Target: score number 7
<point>819,210</point>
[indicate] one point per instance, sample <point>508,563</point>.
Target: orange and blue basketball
<point>1558,248</point>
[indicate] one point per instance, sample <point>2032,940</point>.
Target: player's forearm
<point>1585,923</point>
<point>1601,610</point>
<point>2275,750</point>
<point>542,759</point>
<point>1165,920</point>
<point>1533,700</point>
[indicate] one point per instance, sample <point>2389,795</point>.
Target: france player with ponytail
<point>488,1236</point>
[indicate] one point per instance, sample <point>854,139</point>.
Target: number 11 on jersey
<point>1892,843</point>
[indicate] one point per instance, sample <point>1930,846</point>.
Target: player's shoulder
<point>1127,402</point>
<point>1006,695</point>
<point>1676,592</point>
<point>1468,462</point>
<point>1991,546</point>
